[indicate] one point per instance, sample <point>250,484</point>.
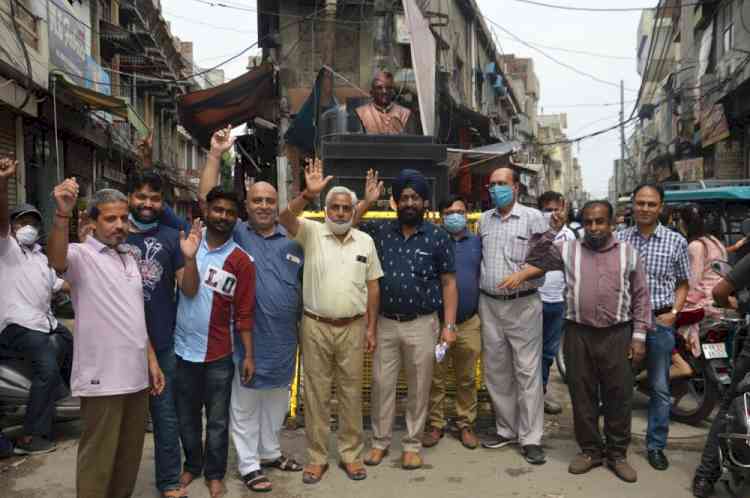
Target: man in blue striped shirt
<point>665,254</point>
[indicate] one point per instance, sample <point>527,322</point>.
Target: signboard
<point>689,170</point>
<point>714,125</point>
<point>69,39</point>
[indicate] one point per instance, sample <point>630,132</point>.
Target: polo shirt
<point>28,284</point>
<point>110,346</point>
<point>159,257</point>
<point>336,274</point>
<point>411,267</point>
<point>278,266</point>
<point>468,249</point>
<point>225,302</point>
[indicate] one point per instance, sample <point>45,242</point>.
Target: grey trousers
<point>512,364</point>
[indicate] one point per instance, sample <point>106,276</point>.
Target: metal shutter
<point>8,148</point>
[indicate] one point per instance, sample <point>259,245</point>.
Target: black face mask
<point>597,241</point>
<point>410,217</point>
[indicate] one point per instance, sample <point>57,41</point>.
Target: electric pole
<point>622,137</point>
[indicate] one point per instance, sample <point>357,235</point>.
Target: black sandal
<point>253,479</point>
<point>283,463</point>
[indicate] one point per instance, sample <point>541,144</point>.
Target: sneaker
<point>37,446</point>
<point>432,437</point>
<point>623,470</point>
<point>534,454</point>
<point>552,407</point>
<point>583,463</point>
<point>497,441</point>
<point>6,446</point>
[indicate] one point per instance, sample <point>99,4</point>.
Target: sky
<point>219,33</point>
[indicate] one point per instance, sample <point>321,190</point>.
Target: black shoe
<point>37,446</point>
<point>497,441</point>
<point>534,454</point>
<point>702,488</point>
<point>658,459</point>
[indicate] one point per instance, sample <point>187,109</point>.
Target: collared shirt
<point>110,346</point>
<point>159,257</point>
<point>225,302</point>
<point>505,244</point>
<point>468,249</point>
<point>411,267</point>
<point>278,265</point>
<point>336,274</point>
<point>603,288</point>
<point>554,281</point>
<point>28,284</point>
<point>665,254</point>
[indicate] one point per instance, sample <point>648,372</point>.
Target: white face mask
<point>338,228</point>
<point>27,235</point>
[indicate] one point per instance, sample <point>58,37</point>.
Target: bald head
<point>262,206</point>
<point>382,89</point>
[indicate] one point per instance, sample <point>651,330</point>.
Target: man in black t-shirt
<point>709,470</point>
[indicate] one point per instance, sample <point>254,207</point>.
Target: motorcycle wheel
<point>699,396</point>
<point>560,359</point>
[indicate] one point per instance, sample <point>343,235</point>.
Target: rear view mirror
<point>746,227</point>
<point>721,267</point>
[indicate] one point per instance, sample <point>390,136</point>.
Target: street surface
<point>450,470</point>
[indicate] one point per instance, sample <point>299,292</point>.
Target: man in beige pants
<point>419,279</point>
<point>340,284</point>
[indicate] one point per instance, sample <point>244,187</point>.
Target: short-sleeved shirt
<point>159,257</point>
<point>411,267</point>
<point>336,273</point>
<point>111,341</point>
<point>553,290</point>
<point>665,254</point>
<point>28,283</point>
<point>278,264</point>
<point>225,302</point>
<point>468,251</point>
<point>505,244</point>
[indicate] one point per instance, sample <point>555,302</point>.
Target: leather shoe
<point>658,459</point>
<point>702,488</point>
<point>410,460</point>
<point>623,470</point>
<point>468,438</point>
<point>431,437</point>
<point>375,456</point>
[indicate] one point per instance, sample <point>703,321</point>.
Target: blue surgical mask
<point>143,227</point>
<point>455,223</point>
<point>502,195</point>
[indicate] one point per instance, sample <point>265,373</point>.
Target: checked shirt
<point>665,255</point>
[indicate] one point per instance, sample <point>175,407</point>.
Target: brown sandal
<point>355,471</point>
<point>314,473</point>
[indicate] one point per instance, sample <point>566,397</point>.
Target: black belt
<point>664,310</point>
<point>401,317</point>
<point>510,297</point>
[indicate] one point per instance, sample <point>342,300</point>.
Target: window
<point>726,16</point>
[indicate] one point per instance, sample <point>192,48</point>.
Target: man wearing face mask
<point>608,316</point>
<point>27,325</point>
<point>465,353</point>
<point>419,280</point>
<point>340,286</point>
<point>511,320</point>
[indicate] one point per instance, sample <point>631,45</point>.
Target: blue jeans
<point>659,346</point>
<point>205,386</point>
<point>552,326</point>
<point>167,459</point>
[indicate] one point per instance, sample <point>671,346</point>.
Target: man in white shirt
<point>27,326</point>
<point>553,300</point>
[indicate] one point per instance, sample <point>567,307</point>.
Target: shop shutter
<point>8,148</point>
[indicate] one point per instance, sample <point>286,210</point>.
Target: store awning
<point>94,100</point>
<point>234,102</point>
<point>498,149</point>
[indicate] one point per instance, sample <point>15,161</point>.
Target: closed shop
<point>8,148</point>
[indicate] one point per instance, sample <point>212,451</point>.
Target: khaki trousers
<point>463,355</point>
<point>111,444</point>
<point>512,363</point>
<point>411,344</point>
<point>330,353</point>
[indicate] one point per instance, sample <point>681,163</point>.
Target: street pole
<point>622,134</point>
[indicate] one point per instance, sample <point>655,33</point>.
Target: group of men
<point>208,319</point>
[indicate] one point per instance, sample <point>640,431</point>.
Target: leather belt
<point>401,317</point>
<point>336,322</point>
<point>510,297</point>
<point>663,311</point>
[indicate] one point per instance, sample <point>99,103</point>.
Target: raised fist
<point>66,195</point>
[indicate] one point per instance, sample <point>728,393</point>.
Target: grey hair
<point>103,196</point>
<point>341,190</point>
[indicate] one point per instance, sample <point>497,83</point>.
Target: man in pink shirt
<point>113,360</point>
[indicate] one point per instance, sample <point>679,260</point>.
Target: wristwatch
<point>451,327</point>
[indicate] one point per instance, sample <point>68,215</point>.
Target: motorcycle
<point>697,395</point>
